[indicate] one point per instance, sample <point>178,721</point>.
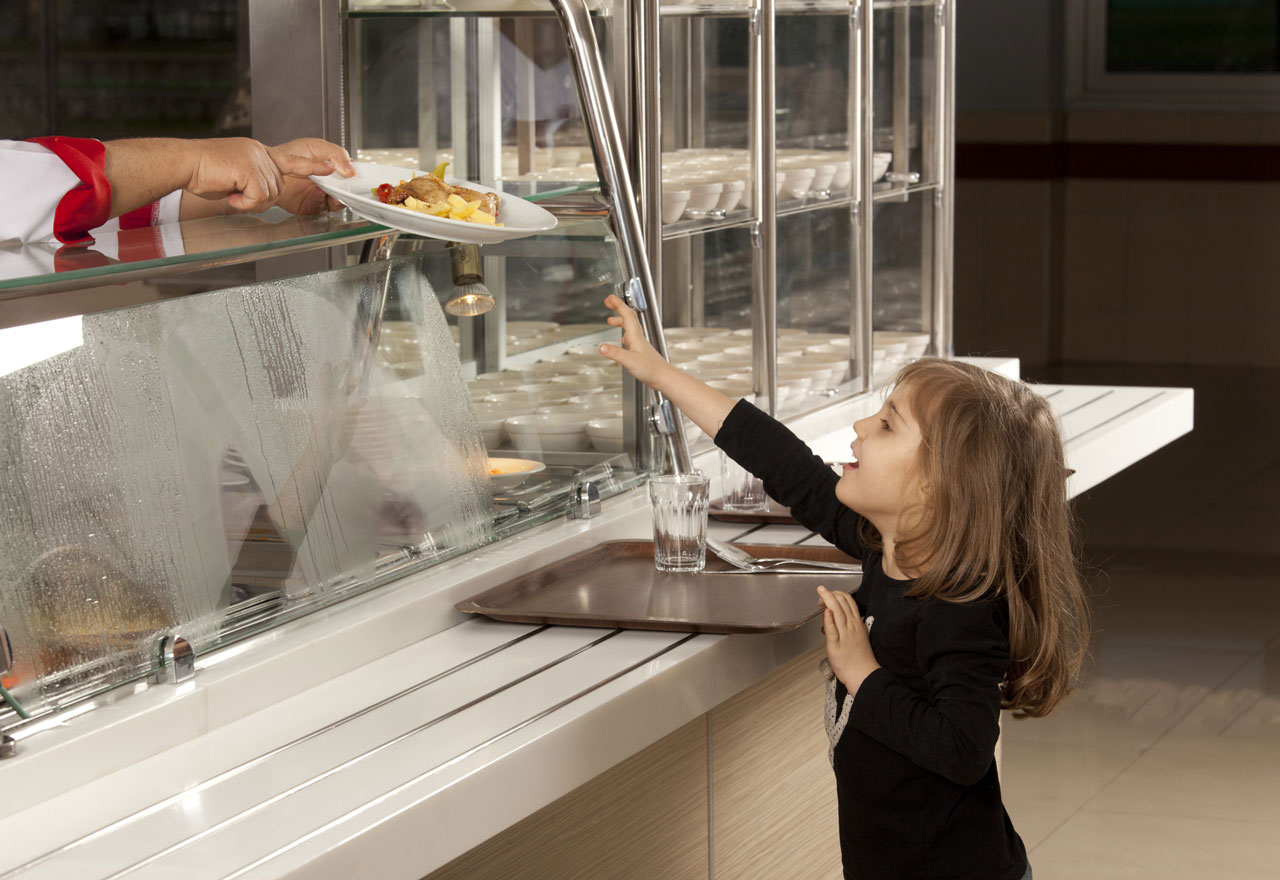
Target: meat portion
<point>431,190</point>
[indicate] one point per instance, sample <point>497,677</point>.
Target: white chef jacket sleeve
<point>32,182</point>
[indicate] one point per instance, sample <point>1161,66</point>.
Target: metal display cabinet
<point>838,118</point>
<point>801,153</point>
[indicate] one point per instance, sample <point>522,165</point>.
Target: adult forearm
<point>142,170</point>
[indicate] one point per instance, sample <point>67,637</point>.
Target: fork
<point>744,561</point>
<point>775,561</point>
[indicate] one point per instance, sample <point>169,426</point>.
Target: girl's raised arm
<point>700,402</point>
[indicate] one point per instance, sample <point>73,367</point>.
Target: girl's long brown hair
<point>994,519</point>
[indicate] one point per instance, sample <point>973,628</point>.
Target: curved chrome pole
<point>611,162</point>
<point>764,297</point>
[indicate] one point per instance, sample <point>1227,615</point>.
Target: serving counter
<point>392,737</point>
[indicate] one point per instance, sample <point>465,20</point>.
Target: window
<point>1219,54</point>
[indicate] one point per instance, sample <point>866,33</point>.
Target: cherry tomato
<point>384,192</point>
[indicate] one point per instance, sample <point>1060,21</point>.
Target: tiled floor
<point>1165,763</point>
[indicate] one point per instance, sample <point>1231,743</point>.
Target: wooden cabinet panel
<point>644,818</point>
<point>774,803</point>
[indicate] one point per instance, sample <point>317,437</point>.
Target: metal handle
<point>615,177</point>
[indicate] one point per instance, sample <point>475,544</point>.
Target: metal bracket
<point>661,419</point>
<point>634,294</point>
<point>585,501</point>
<point>177,660</point>
<point>6,652</point>
<point>8,747</point>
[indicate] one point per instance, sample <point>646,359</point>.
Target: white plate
<point>515,471</point>
<point>519,217</point>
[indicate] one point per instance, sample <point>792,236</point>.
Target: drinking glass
<point>743,490</point>
<point>680,504</point>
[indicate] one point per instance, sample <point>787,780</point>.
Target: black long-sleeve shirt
<point>916,778</point>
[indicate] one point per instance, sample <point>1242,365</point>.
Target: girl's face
<point>883,481</point>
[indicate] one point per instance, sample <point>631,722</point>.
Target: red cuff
<point>88,205</point>
<point>147,215</point>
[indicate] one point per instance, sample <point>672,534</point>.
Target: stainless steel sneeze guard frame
<point>611,164</point>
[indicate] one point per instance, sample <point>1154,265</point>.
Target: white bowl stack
<point>572,400</point>
<point>899,346</point>
<point>545,406</point>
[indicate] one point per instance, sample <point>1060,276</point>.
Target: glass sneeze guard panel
<point>236,449</point>
<point>227,461</point>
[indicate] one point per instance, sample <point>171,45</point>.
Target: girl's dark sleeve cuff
<point>867,701</point>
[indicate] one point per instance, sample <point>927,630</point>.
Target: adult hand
<point>636,355</point>
<point>300,195</point>
<point>246,174</point>
<point>848,645</point>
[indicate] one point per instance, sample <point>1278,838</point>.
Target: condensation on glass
<point>213,464</point>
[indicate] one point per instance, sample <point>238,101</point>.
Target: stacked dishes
<point>546,406</point>
<point>401,346</point>
<point>715,180</point>
<point>894,348</point>
<point>524,335</point>
<point>572,401</point>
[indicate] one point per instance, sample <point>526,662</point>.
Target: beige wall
<point>1134,271</point>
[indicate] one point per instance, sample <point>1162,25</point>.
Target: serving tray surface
<point>775,514</point>
<point>615,584</point>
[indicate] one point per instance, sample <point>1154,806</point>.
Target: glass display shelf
<point>721,8</point>
<point>454,8</point>
<point>898,4</point>
<point>49,267</point>
<point>888,192</point>
<point>128,255</point>
<point>804,206</point>
<point>714,8</point>
<point>697,226</point>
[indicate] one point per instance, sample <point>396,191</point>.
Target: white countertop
<point>389,734</point>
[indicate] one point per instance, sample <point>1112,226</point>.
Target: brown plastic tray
<point>616,585</point>
<point>775,514</point>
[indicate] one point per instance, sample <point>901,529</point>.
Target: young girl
<point>969,600</point>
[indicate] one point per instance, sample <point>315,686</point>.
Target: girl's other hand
<point>636,355</point>
<point>848,645</point>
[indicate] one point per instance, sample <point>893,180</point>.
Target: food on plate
<point>429,194</point>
